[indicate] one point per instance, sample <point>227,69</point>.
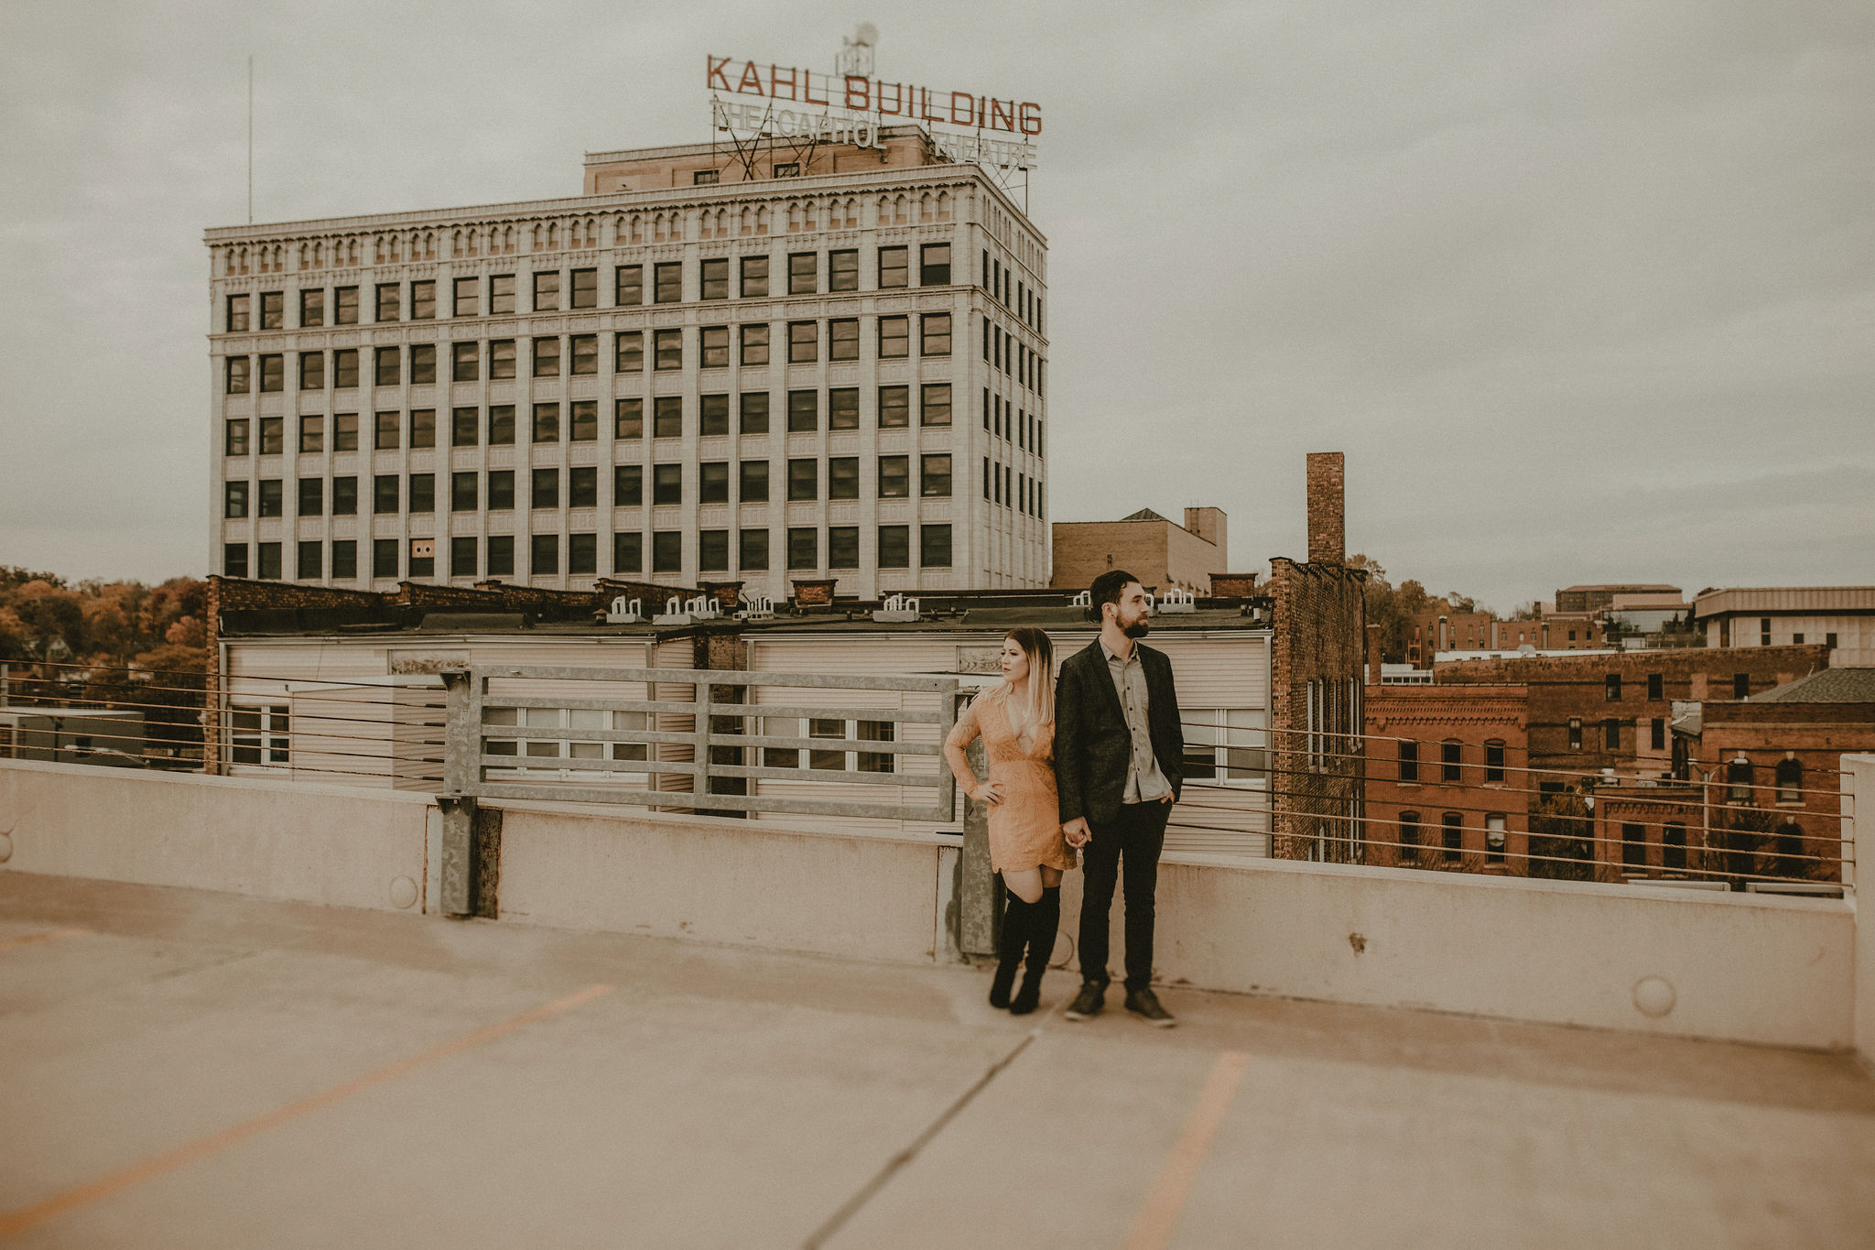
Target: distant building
<point>1447,785</point>
<point>1593,598</point>
<point>1160,552</point>
<point>1841,618</point>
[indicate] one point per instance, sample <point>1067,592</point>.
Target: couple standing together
<point>1091,762</point>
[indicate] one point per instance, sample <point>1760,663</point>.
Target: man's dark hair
<point>1107,587</point>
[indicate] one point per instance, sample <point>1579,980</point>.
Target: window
<point>462,557</point>
<point>1575,735</point>
<point>713,483</point>
<point>384,493</point>
<point>934,264</point>
<point>803,411</point>
<point>893,269</point>
<point>667,417</point>
<point>272,373</point>
<point>464,489</point>
<point>803,342</point>
<point>843,339</point>
<point>466,298</point>
<point>1493,761</point>
<point>1829,640</point>
<point>630,353</point>
<point>894,477</point>
<point>268,556</point>
<point>238,369</point>
<point>423,300</point>
<point>843,477</point>
<point>628,553</point>
<point>935,334</point>
<point>388,298</point>
<point>259,734</point>
<point>1633,846</point>
<point>585,354</point>
<point>803,548</point>
<point>238,306</point>
<point>1453,832</point>
<point>383,557</point>
<point>1449,756</point>
<point>345,306</point>
<point>582,488</point>
<point>501,359</point>
<point>1611,688</point>
<point>628,485</point>
<point>312,497</point>
<point>713,551</point>
<point>1611,734</point>
<point>1797,639</point>
<point>803,480</point>
<point>895,546</point>
<point>716,277</point>
<point>803,273</point>
<point>934,406</point>
<point>667,551</point>
<point>1409,837</point>
<point>629,285</point>
<point>272,436</point>
<point>843,271</point>
<point>669,349</point>
<point>500,298</point>
<point>547,357</point>
<point>843,547</point>
<point>500,555</point>
<point>312,434</point>
<point>544,554</point>
<point>1741,685</point>
<point>752,549</point>
<point>465,362</point>
<point>755,345</point>
<point>894,407</point>
<point>843,408</point>
<point>667,483</point>
<point>1409,761</point>
<point>628,419</point>
<point>344,502</point>
<point>1657,734</point>
<point>1673,846</point>
<point>312,308</point>
<point>1656,687</point>
<point>715,347</point>
<point>894,338</point>
<point>1494,838</point>
<point>934,476</point>
<point>1764,631</point>
<point>423,427</point>
<point>934,546</point>
<point>582,554</point>
<point>667,283</point>
<point>546,423</point>
<point>501,425</point>
<point>754,277</point>
<point>423,492</point>
<point>234,499</point>
<point>1789,777</point>
<point>388,369</point>
<point>544,491</point>
<point>789,169</point>
<point>876,761</point>
<point>345,560</point>
<point>753,484</point>
<point>465,427</point>
<point>500,491</point>
<point>755,412</point>
<point>345,368</point>
<point>585,293</point>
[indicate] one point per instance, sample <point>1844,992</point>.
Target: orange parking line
<point>1153,1230</point>
<point>32,939</point>
<point>24,1218</point>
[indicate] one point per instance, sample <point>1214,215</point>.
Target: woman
<point>1017,722</point>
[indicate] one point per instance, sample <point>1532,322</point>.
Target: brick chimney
<point>1327,524</point>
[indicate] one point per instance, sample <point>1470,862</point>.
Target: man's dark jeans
<point>1135,838</point>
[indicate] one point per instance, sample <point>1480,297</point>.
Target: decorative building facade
<point>831,368</point>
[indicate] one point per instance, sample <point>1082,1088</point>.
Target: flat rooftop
<point>188,1069</point>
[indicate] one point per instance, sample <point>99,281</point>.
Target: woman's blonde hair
<point>1041,654</point>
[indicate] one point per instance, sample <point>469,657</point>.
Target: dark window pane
<point>803,479</point>
<point>345,306</point>
<point>345,559</point>
<point>312,308</point>
<point>713,482</point>
<point>716,278</point>
<point>895,546</point>
<point>755,412</point>
<point>585,354</point>
<point>894,407</point>
<point>936,334</point>
<point>629,282</point>
<point>934,267</point>
<point>935,406</point>
<point>389,367</point>
<point>462,557</point>
<point>467,297</point>
<point>667,483</point>
<point>754,484</point>
<point>312,497</point>
<point>934,476</point>
<point>423,492</point>
<point>463,491</point>
<point>631,352</point>
<point>545,489</point>
<point>843,477</point>
<point>713,551</point>
<point>312,371</point>
<point>843,547</point>
<point>236,443</point>
<point>544,554</point>
<point>843,408</point>
<point>582,554</point>
<point>500,490</point>
<point>668,417</point>
<point>628,485</point>
<point>583,421</point>
<point>423,427</point>
<point>271,499</point>
<point>752,550</point>
<point>546,423</point>
<point>465,362</point>
<point>803,342</point>
<point>667,552</point>
<point>345,368</point>
<point>500,555</point>
<point>501,360</point>
<point>670,349</point>
<point>934,546</point>
<point>386,433</point>
<point>754,277</point>
<point>894,338</point>
<point>755,345</point>
<point>422,301</point>
<point>893,268</point>
<point>344,496</point>
<point>803,548</point>
<point>894,477</point>
<point>628,553</point>
<point>803,411</point>
<point>713,414</point>
<point>585,289</point>
<point>803,273</point>
<point>628,419</point>
<point>582,487</point>
<point>843,339</point>
<point>669,280</point>
<point>547,358</point>
<point>715,349</point>
<point>501,425</point>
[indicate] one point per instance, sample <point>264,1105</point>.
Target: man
<point>1119,756</point>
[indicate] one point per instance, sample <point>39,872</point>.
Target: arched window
<point>1789,780</point>
<point>1738,781</point>
<point>1790,851</point>
<point>1409,838</point>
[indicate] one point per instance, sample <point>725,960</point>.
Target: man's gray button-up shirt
<point>1144,782</point>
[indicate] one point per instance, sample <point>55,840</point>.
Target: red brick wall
<point>1431,716</point>
<point>1320,628</point>
<point>1328,542</point>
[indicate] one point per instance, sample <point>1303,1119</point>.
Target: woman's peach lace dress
<point>1025,828</point>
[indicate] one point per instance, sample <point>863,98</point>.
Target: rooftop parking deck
<point>185,1068</point>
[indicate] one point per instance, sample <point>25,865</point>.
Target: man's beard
<point>1138,629</point>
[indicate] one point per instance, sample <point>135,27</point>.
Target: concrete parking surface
<point>187,1069</point>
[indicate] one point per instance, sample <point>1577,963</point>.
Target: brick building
<point>1445,779</point>
<point>1596,596</point>
<point>1160,552</point>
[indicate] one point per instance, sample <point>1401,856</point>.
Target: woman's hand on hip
<point>989,792</point>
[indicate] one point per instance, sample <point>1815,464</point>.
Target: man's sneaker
<point>1145,1003</point>
<point>1088,1002</point>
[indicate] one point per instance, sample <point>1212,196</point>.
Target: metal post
<point>461,766</point>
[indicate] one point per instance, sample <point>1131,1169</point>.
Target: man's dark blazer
<point>1092,744</point>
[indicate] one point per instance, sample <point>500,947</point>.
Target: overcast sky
<point>1585,291</point>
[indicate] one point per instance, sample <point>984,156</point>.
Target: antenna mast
<point>250,138</point>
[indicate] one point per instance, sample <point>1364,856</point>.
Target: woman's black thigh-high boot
<point>1044,925</point>
<point>1016,917</point>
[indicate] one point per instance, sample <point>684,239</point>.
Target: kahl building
<point>749,361</point>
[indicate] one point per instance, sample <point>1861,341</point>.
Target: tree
<point>1561,844</point>
<point>1393,608</point>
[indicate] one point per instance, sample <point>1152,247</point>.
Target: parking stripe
<point>1156,1223</point>
<point>20,1220</point>
<point>33,939</point>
